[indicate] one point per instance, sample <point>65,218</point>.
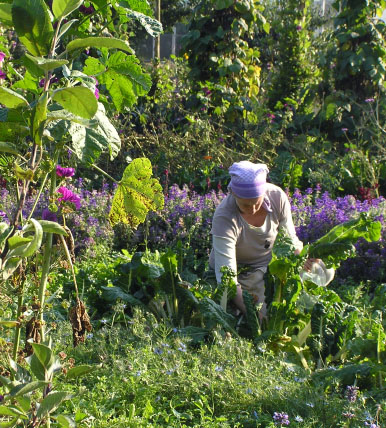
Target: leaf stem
<point>104,173</point>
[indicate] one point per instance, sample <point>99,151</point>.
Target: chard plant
<point>50,104</point>
<point>300,310</point>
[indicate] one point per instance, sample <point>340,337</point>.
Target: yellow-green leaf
<point>136,194</point>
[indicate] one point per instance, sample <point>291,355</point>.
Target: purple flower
<point>281,418</point>
<point>49,215</point>
<point>62,171</point>
<point>68,196</point>
<point>96,93</point>
<point>352,393</point>
<point>298,27</point>
<point>2,75</point>
<point>369,100</point>
<point>344,129</point>
<point>86,10</point>
<point>1,398</point>
<point>2,56</point>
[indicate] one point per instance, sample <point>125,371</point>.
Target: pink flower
<point>96,93</point>
<point>64,172</point>
<point>68,196</point>
<point>2,56</point>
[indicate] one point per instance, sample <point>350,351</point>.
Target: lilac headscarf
<point>248,180</point>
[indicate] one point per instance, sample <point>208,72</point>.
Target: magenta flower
<point>2,56</point>
<point>68,196</point>
<point>298,27</point>
<point>61,171</point>
<point>2,75</point>
<point>96,93</point>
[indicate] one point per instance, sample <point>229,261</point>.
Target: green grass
<point>147,375</point>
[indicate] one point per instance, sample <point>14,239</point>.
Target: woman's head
<point>248,180</point>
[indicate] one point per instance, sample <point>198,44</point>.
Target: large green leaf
<point>47,64</point>
<point>51,402</point>
<point>8,148</point>
<point>78,371</point>
<point>49,227</point>
<point>6,14</point>
<point>123,76</point>
<point>214,315</point>
<point>112,294</point>
<point>26,388</point>
<point>12,99</point>
<point>137,5</point>
<point>28,248</point>
<point>32,23</point>
<point>88,143</point>
<point>13,131</point>
<point>78,100</point>
<point>99,42</point>
<point>136,194</point>
<point>63,8</point>
<point>65,421</point>
<point>350,231</point>
<point>12,411</point>
<point>151,25</point>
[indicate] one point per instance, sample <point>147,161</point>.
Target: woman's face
<point>249,206</point>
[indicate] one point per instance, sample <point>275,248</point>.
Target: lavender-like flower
<point>352,393</point>
<point>64,172</point>
<point>281,418</point>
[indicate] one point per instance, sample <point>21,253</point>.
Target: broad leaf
<point>6,15</point>
<point>12,99</point>
<point>136,194</point>
<point>66,115</point>
<point>10,266</point>
<point>99,42</point>
<point>8,148</point>
<point>44,354</point>
<point>26,388</point>
<point>78,100</point>
<point>49,227</point>
<point>63,8</point>
<point>12,411</point>
<point>29,248</point>
<point>9,324</point>
<point>151,25</point>
<point>87,143</point>
<point>47,64</point>
<point>137,5</point>
<point>65,421</point>
<point>32,23</point>
<point>123,76</point>
<point>214,315</point>
<point>65,27</point>
<point>51,402</point>
<point>223,4</point>
<point>78,371</point>
<point>112,294</point>
<point>13,131</point>
<point>338,243</point>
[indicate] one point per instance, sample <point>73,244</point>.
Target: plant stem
<point>104,173</point>
<point>46,258</point>
<point>16,341</point>
<point>37,197</point>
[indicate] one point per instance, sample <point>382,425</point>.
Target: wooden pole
<point>157,45</point>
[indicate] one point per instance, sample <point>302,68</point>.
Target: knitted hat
<point>248,180</point>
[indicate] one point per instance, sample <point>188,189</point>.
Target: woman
<point>245,226</point>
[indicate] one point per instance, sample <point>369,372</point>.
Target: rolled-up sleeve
<point>224,254</point>
<point>287,225</point>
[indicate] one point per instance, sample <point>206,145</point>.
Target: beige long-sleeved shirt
<point>237,242</point>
